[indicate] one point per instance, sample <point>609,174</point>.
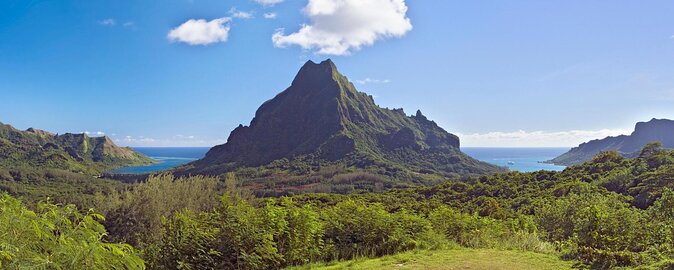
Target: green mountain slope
<point>321,119</point>
<point>73,152</point>
<point>656,130</point>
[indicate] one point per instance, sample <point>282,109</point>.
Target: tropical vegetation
<point>610,212</point>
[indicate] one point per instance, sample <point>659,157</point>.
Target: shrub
<point>56,237</point>
<point>136,216</point>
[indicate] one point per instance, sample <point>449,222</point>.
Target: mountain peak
<point>325,63</point>
<point>654,124</point>
<point>420,115</point>
<point>322,119</point>
<point>322,72</point>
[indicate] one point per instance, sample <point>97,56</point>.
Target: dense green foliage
<point>239,235</point>
<point>33,185</point>
<point>178,223</point>
<point>607,213</point>
<point>57,237</point>
<point>135,215</point>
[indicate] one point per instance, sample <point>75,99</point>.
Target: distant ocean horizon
<point>523,159</point>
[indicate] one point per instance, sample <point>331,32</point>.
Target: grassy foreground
<point>453,259</point>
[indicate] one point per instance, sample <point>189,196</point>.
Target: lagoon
<point>516,159</point>
<point>168,157</point>
<point>523,159</point>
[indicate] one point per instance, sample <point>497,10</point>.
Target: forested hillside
<point>606,213</point>
<point>38,149</point>
<point>655,130</point>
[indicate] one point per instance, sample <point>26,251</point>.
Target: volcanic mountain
<point>656,130</point>
<point>74,152</point>
<point>321,119</point>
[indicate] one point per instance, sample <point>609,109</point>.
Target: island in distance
<point>655,130</point>
<point>322,130</point>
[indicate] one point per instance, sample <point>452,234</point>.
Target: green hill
<point>609,213</point>
<point>322,121</point>
<point>656,130</point>
<point>73,152</point>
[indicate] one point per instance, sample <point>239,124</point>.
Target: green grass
<point>452,259</point>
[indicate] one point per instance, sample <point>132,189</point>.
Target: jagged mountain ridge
<point>322,118</point>
<point>75,152</point>
<point>660,130</point>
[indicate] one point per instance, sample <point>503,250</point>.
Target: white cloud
<point>135,141</point>
<point>97,133</point>
<point>671,37</point>
<point>180,136</point>
<point>107,22</point>
<point>201,32</point>
<point>129,24</point>
<point>523,138</point>
<point>177,140</point>
<point>339,27</point>
<point>240,14</point>
<point>270,15</point>
<point>268,3</point>
<point>370,80</point>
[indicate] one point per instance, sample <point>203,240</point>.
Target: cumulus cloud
<point>370,80</point>
<point>240,14</point>
<point>339,27</point>
<point>523,138</point>
<point>107,22</point>
<point>268,3</point>
<point>97,133</point>
<point>177,140</point>
<point>201,32</point>
<point>270,15</point>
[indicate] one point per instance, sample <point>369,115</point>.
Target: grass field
<point>453,259</point>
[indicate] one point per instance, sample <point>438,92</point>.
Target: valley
<point>336,134</point>
<point>355,186</point>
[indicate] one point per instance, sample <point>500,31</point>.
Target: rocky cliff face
<point>322,118</point>
<point>661,130</point>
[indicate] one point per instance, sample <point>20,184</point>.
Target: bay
<point>516,159</point>
<point>167,157</point>
<point>523,159</point>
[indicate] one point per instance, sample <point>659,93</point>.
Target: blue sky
<point>498,73</point>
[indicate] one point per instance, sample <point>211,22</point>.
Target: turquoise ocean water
<point>516,159</point>
<point>168,158</point>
